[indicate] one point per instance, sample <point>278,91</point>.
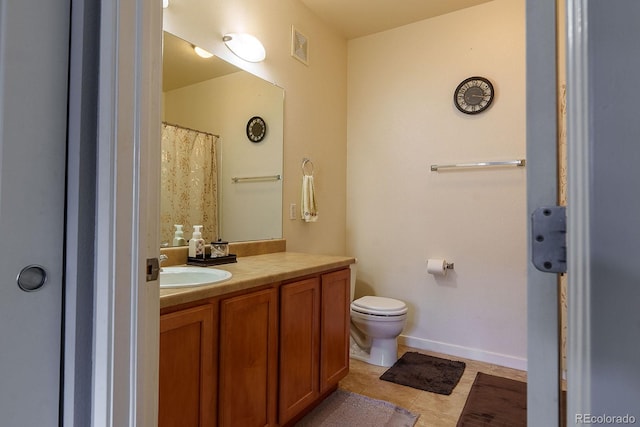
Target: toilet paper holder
<point>438,266</point>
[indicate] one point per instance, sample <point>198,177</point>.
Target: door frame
<point>80,215</point>
<point>123,346</point>
<point>543,343</point>
<point>603,228</point>
<point>578,213</point>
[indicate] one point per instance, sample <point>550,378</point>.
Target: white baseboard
<point>465,352</point>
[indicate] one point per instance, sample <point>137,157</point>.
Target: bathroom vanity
<point>260,349</point>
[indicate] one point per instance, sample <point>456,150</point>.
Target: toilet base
<point>384,352</point>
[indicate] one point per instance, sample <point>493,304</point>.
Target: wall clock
<point>256,129</point>
<point>473,95</point>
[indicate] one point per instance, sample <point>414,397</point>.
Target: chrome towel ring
<point>307,162</point>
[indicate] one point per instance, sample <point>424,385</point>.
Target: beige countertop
<point>253,271</point>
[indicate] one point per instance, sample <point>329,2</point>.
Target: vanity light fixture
<point>245,46</point>
<point>202,53</point>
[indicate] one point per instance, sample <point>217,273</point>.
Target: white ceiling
<point>357,18</point>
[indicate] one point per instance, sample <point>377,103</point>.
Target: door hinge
<point>153,269</point>
<point>549,239</point>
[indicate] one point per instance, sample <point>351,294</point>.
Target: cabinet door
<point>248,360</point>
<point>187,368</point>
<point>334,329</point>
<point>299,346</point>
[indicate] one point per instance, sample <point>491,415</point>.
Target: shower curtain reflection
<point>189,182</point>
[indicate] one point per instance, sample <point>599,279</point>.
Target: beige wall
<point>315,99</point>
<point>401,119</point>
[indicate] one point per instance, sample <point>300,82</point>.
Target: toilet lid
<point>379,305</point>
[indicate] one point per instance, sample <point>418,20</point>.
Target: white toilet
<point>376,323</point>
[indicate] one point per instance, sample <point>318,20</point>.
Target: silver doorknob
<point>32,278</point>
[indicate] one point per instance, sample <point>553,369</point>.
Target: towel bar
<point>519,162</point>
<point>256,178</point>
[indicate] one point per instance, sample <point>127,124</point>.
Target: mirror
<point>211,105</point>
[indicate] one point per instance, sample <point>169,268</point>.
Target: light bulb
<point>202,53</point>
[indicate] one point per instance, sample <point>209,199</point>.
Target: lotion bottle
<point>196,244</point>
<point>178,238</point>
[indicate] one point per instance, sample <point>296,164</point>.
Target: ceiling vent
<point>299,46</point>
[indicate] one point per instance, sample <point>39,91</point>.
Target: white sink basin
<point>181,277</point>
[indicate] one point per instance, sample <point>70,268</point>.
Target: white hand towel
<point>308,205</point>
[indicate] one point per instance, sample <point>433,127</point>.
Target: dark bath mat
<point>495,401</point>
<point>425,372</point>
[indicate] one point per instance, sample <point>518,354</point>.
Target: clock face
<point>256,129</point>
<point>473,95</point>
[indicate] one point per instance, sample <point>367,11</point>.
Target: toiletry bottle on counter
<point>196,244</point>
<point>219,249</point>
<point>178,238</point>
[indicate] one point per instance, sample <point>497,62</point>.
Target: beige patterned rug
<point>343,408</point>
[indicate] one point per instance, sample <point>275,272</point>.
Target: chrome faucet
<point>162,258</point>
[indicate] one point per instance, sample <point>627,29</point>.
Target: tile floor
<point>435,410</point>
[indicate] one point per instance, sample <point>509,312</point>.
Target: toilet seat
<point>379,306</point>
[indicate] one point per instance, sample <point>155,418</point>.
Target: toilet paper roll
<point>437,267</point>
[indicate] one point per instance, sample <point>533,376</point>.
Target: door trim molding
<point>126,317</point>
<point>578,212</point>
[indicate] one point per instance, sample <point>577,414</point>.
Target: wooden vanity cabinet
<point>248,359</point>
<point>187,377</point>
<point>314,340</point>
<point>334,328</point>
<point>299,377</point>
<point>260,358</point>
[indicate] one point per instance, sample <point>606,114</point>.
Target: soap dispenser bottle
<point>196,244</point>
<point>178,238</point>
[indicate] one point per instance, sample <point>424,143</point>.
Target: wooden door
<point>187,368</point>
<point>334,329</point>
<point>299,347</point>
<point>248,360</point>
